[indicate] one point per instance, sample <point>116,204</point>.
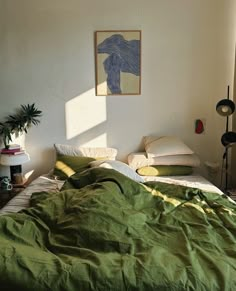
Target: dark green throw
<point>105,232</point>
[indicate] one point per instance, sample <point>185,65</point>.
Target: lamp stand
<point>226,150</point>
<point>226,107</point>
<point>15,170</point>
<point>226,156</point>
<point>226,169</point>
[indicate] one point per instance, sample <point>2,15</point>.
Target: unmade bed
<point>49,183</point>
<point>102,230</point>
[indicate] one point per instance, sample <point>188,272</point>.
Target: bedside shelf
<point>22,185</point>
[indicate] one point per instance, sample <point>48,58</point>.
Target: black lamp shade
<point>225,107</point>
<point>228,139</point>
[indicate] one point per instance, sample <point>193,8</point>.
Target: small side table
<point>7,195</point>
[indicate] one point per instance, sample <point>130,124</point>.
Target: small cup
<point>9,187</point>
<point>3,178</point>
<point>5,184</point>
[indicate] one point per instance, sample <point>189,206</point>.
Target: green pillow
<point>66,165</point>
<point>165,171</point>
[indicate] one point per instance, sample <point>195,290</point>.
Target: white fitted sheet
<point>21,201</point>
<point>195,181</point>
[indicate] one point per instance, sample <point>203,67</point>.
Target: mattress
<point>46,183</point>
<point>21,201</point>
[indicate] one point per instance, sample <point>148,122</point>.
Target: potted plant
<point>18,123</point>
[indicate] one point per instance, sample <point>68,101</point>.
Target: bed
<point>104,229</point>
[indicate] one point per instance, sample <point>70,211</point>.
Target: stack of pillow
<point>164,156</point>
<point>73,159</point>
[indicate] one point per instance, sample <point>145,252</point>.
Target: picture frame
<point>118,62</point>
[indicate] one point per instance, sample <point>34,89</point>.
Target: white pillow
<point>120,167</point>
<point>165,146</point>
<point>92,152</point>
<point>140,159</point>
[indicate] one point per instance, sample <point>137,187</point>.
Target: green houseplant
<point>25,117</point>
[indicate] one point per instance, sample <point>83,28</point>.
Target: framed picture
<point>118,62</point>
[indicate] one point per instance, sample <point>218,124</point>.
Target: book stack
<point>13,149</point>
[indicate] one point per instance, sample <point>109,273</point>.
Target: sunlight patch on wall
<point>84,112</point>
<point>102,88</point>
<point>28,174</point>
<point>99,141</point>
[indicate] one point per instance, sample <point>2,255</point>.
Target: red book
<point>19,153</point>
<point>10,151</point>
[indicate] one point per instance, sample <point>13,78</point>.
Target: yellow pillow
<point>165,171</point>
<point>64,168</point>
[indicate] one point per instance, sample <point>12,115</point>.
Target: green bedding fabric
<point>106,232</point>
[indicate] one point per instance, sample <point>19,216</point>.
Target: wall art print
<point>118,62</point>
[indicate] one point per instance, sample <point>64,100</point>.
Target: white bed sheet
<point>195,181</point>
<point>21,201</point>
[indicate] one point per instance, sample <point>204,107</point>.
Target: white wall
<point>47,57</point>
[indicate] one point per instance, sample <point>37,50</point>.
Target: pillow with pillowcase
<point>92,152</point>
<point>165,170</point>
<point>66,165</point>
<point>165,146</point>
<point>140,159</point>
<point>120,167</point>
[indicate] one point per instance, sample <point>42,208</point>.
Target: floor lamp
<point>226,107</point>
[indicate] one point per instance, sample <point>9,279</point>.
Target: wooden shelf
<point>22,185</point>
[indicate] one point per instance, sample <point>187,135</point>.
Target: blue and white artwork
<point>118,62</point>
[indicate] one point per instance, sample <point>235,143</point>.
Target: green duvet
<point>105,232</point>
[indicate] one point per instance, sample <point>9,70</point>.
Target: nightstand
<point>7,195</point>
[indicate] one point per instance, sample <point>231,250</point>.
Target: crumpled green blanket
<point>104,231</point>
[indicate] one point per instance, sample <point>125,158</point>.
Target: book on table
<point>16,151</point>
<point>14,146</point>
